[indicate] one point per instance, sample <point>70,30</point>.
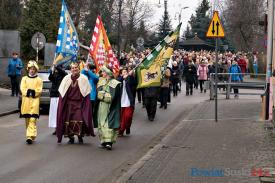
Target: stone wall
<point>10,42</point>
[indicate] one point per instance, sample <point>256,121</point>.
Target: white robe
<point>53,112</point>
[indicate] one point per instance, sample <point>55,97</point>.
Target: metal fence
<point>226,85</point>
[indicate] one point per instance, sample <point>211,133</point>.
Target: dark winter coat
<point>190,73</point>
<point>175,75</point>
<point>131,88</point>
<point>56,78</point>
<point>151,92</point>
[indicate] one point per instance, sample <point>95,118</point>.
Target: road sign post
<point>216,31</point>
<point>216,80</point>
<point>38,42</point>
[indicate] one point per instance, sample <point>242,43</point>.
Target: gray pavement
<point>237,143</point>
<point>8,104</point>
<point>46,161</point>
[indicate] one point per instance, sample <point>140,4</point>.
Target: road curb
<point>139,164</point>
<point>8,112</point>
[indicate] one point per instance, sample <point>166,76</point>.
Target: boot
<point>109,146</point>
<point>71,141</point>
<point>29,141</point>
<point>128,131</point>
<point>80,140</point>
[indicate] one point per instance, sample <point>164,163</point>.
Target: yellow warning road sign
<point>215,29</point>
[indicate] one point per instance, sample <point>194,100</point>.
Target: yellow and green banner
<point>151,69</point>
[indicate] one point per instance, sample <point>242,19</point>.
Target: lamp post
<point>179,17</point>
<point>118,28</point>
<point>179,13</point>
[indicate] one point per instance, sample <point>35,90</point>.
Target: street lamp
<point>179,13</point>
<point>179,16</point>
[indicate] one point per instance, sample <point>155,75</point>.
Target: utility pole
<point>269,54</point>
<point>118,29</point>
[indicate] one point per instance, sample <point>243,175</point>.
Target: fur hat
<point>32,63</point>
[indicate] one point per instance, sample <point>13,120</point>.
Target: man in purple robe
<point>74,114</point>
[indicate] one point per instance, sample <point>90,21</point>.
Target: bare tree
<point>242,20</point>
<point>135,12</point>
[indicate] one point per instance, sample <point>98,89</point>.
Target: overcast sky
<point>174,7</point>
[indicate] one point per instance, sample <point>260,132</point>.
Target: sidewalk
<point>8,104</point>
<point>236,144</point>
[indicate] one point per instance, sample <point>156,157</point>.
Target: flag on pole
<point>150,71</point>
<point>101,49</point>
<point>67,44</point>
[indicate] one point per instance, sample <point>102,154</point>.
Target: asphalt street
<point>46,161</point>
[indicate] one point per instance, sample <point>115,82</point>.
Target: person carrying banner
<point>107,108</point>
<point>89,71</point>
<point>56,76</point>
<point>128,94</point>
<point>74,114</point>
<point>31,88</point>
<point>151,95</point>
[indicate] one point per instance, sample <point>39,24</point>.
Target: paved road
<point>46,161</point>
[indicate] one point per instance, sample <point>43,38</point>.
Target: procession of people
<point>86,99</point>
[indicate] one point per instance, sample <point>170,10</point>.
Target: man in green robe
<point>107,108</point>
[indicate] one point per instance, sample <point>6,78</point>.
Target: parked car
<point>45,96</point>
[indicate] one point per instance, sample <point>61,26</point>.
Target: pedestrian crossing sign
<point>215,29</point>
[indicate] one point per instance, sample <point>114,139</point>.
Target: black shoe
<point>54,133</point>
<point>165,107</point>
<point>71,141</point>
<point>102,146</point>
<point>128,131</point>
<point>120,134</point>
<point>204,90</point>
<point>29,141</point>
<point>151,119</point>
<point>187,94</point>
<point>80,140</point>
<point>161,106</point>
<point>108,146</point>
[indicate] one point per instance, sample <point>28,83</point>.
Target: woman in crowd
<point>56,76</point>
<point>128,94</point>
